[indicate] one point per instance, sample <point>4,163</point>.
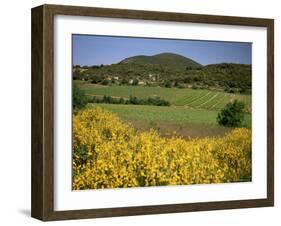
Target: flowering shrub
<point>108,153</point>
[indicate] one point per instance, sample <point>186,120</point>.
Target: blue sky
<point>96,50</point>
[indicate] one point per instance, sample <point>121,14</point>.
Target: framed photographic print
<point>141,112</point>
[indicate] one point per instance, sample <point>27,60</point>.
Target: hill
<point>168,59</point>
<point>169,70</point>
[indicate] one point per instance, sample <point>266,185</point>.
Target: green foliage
<point>105,82</point>
<point>96,79</point>
<point>160,68</point>
<point>156,101</point>
<point>168,84</point>
<point>135,82</point>
<point>79,98</point>
<point>179,85</point>
<point>232,114</point>
<point>169,59</point>
<point>81,151</point>
<point>124,81</point>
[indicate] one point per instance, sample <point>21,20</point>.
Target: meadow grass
<point>171,114</point>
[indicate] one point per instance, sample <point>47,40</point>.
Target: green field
<point>172,114</point>
<point>192,113</point>
<point>197,99</point>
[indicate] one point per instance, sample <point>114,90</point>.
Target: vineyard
<point>199,98</point>
<point>109,153</point>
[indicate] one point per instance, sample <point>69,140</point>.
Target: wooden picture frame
<point>42,203</point>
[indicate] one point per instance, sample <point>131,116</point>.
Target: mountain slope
<point>167,59</point>
<point>168,69</point>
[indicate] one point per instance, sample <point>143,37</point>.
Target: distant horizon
<point>94,50</point>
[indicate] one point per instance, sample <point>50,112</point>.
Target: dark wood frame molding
<point>42,203</point>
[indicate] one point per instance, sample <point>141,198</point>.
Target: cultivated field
<point>172,114</point>
<point>199,99</point>
<point>192,112</point>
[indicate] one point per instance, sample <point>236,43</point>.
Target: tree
<point>135,82</point>
<point>232,114</point>
<point>124,81</point>
<point>168,84</point>
<point>105,82</point>
<point>79,98</point>
<point>95,79</point>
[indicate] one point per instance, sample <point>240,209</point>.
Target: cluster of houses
<point>117,80</point>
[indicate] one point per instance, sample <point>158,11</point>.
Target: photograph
<point>160,112</point>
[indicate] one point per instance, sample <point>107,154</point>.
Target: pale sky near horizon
<point>96,50</point>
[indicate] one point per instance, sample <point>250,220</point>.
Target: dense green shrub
<point>168,84</point>
<point>96,79</point>
<point>232,114</point>
<point>79,98</point>
<point>105,82</point>
<point>135,82</point>
<point>124,81</point>
<point>156,101</point>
